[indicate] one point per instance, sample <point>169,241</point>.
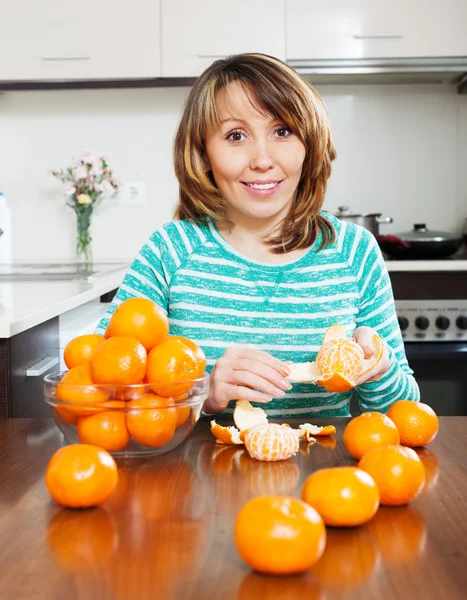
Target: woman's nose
<point>261,156</point>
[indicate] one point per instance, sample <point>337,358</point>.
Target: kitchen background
<point>402,151</point>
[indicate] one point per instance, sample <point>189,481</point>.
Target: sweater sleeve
<point>147,277</point>
<point>377,310</point>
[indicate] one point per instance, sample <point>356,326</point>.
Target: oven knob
<point>422,323</point>
<point>461,322</point>
<point>442,323</point>
<point>403,323</point>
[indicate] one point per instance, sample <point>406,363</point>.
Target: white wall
<point>402,151</point>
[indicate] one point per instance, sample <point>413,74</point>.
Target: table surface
<point>167,530</point>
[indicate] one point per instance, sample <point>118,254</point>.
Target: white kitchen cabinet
<point>197,32</point>
<point>90,39</point>
<point>366,29</point>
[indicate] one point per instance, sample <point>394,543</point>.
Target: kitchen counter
<point>426,265</point>
<point>25,304</point>
<point>167,530</point>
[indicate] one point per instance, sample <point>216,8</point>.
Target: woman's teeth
<point>262,186</point>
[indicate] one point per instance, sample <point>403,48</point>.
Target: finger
<point>250,395</point>
<point>266,359</point>
<point>251,380</point>
<point>364,336</point>
<point>264,371</point>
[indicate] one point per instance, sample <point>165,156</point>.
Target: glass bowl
<point>127,420</point>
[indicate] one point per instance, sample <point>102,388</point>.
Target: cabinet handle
<point>42,366</point>
<point>377,36</point>
<point>58,58</point>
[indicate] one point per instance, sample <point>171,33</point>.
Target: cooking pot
<point>420,243</point>
<point>370,221</point>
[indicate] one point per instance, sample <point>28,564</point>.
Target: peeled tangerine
<point>339,362</point>
<point>271,442</point>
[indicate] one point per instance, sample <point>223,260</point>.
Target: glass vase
<point>83,235</point>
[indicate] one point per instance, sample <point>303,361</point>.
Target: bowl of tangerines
<point>136,391</point>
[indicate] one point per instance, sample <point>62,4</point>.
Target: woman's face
<point>256,161</point>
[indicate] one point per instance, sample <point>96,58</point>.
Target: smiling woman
<point>251,269</point>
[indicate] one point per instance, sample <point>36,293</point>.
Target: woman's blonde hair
<point>279,91</point>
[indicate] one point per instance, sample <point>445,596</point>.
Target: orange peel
<point>226,435</point>
<point>308,432</point>
<point>339,363</point>
<point>246,416</point>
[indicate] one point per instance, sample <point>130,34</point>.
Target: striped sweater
<point>219,298</point>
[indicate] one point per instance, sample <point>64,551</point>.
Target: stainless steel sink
<point>56,271</point>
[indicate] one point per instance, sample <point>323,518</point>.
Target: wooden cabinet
<point>53,39</point>
<point>195,33</point>
<point>365,29</point>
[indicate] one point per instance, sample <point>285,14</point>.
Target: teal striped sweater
<point>220,298</point>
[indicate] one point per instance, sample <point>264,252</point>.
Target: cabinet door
<point>55,39</point>
<point>195,33</point>
<point>368,29</point>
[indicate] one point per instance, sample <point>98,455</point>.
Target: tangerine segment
<point>226,435</point>
<point>106,429</point>
<point>417,423</point>
<point>77,390</point>
<point>343,356</point>
<point>271,442</point>
<point>119,361</point>
<point>152,420</point>
<point>139,318</point>
<point>398,472</point>
<point>336,382</point>
<point>246,416</point>
<point>80,349</point>
<point>81,476</point>
<point>343,496</point>
<point>173,366</point>
<point>279,535</point>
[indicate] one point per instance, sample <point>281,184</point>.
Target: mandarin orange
<point>81,476</point>
<point>171,363</point>
<point>417,422</point>
<point>106,429</point>
<point>152,420</point>
<point>139,318</point>
<point>397,471</point>
<point>279,535</point>
<point>198,352</point>
<point>369,430</point>
<point>343,496</point>
<point>80,349</point>
<point>119,361</point>
<point>77,390</point>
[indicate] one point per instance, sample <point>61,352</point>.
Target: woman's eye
<point>235,136</point>
<point>283,132</point>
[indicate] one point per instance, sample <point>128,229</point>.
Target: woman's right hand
<point>252,375</point>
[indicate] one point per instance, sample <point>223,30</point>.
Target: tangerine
<point>200,356</point>
<point>119,361</point>
<point>106,429</point>
<point>397,471</point>
<point>417,423</point>
<point>152,420</point>
<point>369,430</point>
<point>172,362</point>
<point>81,475</point>
<point>279,535</point>
<point>271,442</point>
<point>343,496</point>
<point>139,318</point>
<point>77,390</point>
<point>80,349</point>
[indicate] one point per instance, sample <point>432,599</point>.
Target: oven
<point>432,312</point>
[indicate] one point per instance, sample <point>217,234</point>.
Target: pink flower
<point>88,157</point>
<point>70,189</point>
<point>80,173</point>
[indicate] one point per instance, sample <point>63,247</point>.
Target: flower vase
<point>83,235</point>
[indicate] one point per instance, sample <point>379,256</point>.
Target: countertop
<point>427,265</point>
<point>24,304</point>
<point>167,530</point>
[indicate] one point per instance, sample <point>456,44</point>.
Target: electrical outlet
<point>132,192</point>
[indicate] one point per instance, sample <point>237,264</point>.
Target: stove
<point>432,320</point>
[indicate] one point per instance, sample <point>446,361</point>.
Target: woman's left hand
<point>363,337</point>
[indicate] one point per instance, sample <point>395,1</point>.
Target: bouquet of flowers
<point>86,181</point>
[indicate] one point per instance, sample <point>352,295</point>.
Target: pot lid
<point>420,233</point>
<point>344,211</point>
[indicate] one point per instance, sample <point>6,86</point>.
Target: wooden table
<point>167,530</point>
